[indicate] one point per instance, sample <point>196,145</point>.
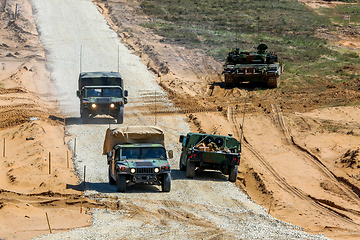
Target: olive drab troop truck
<point>137,154</point>
<point>101,93</point>
<point>209,151</point>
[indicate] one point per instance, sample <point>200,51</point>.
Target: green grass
<point>338,13</point>
<point>288,27</point>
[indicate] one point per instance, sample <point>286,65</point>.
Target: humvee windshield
<point>142,153</point>
<point>103,92</point>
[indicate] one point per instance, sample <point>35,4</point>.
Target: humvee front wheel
<point>111,180</point>
<point>233,173</point>
<point>190,169</point>
<point>182,166</point>
<point>120,182</point>
<point>120,116</point>
<point>166,183</point>
<point>84,115</point>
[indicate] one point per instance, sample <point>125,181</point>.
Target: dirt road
<point>209,204</point>
<point>300,165</point>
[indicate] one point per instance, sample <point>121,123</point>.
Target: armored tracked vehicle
<point>101,93</point>
<point>209,151</point>
<point>137,154</point>
<point>259,68</point>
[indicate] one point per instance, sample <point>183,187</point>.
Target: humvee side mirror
<point>181,139</point>
<point>126,93</point>
<point>78,93</point>
<point>125,100</point>
<point>109,155</point>
<point>170,154</point>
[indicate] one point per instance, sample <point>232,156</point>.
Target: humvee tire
<point>166,183</point>
<point>233,173</point>
<point>84,115</point>
<point>120,116</point>
<point>182,167</point>
<point>190,169</point>
<point>120,182</point>
<point>111,180</point>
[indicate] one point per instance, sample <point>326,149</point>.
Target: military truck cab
<point>138,155</point>
<point>208,151</point>
<point>102,100</point>
<point>102,93</point>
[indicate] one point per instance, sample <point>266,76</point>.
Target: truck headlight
<point>156,170</point>
<point>132,170</point>
<point>112,105</point>
<point>93,105</point>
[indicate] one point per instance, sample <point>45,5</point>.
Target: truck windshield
<point>143,153</point>
<point>103,92</point>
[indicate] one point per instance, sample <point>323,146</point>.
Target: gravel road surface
<point>77,38</point>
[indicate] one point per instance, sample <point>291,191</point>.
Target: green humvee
<point>101,93</point>
<point>137,154</point>
<point>208,151</point>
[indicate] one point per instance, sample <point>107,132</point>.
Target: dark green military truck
<point>137,154</point>
<point>208,151</point>
<point>101,93</point>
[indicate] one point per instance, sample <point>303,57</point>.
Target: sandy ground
<point>299,161</point>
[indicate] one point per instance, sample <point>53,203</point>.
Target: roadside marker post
<point>75,148</point>
<point>4,148</point>
<point>47,218</point>
<point>49,162</point>
<point>81,197</point>
<point>270,207</point>
<point>84,176</point>
<point>155,110</point>
<point>64,129</point>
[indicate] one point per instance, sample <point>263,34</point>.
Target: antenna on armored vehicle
<point>258,28</point>
<point>242,125</point>
<point>216,129</point>
<point>118,58</point>
<point>80,56</point>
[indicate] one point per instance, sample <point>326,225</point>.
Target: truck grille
<point>145,170</point>
<point>103,100</point>
<point>143,164</point>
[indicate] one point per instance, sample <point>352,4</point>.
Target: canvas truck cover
<point>100,79</point>
<point>132,134</point>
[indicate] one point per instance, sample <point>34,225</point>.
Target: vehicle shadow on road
<point>97,120</point>
<point>105,187</point>
<point>207,175</point>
